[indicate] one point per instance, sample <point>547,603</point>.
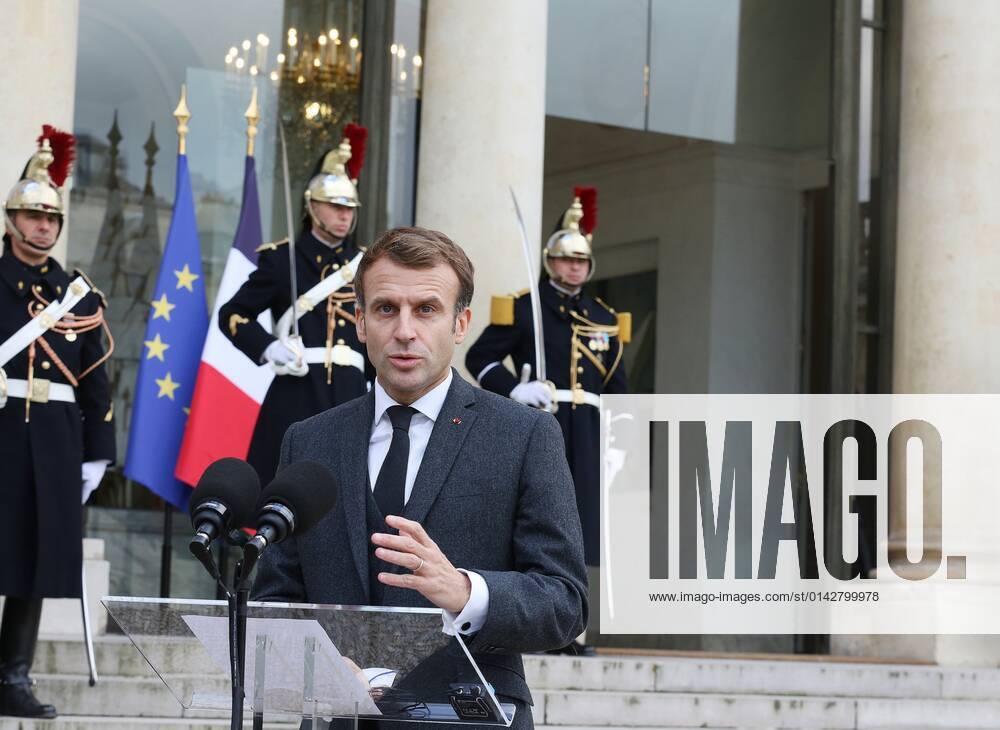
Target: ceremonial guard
<point>582,357</point>
<point>324,364</point>
<point>55,414</point>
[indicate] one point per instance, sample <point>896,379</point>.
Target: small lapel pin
<point>456,421</point>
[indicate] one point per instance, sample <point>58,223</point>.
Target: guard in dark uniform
<point>56,427</point>
<point>584,340</point>
<point>327,365</point>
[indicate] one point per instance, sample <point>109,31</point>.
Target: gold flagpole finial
<point>253,116</point>
<point>182,114</point>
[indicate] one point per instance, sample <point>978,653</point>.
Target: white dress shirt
<point>428,407</point>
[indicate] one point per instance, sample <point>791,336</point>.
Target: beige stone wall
<point>37,80</point>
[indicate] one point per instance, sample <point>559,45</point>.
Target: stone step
<point>81,722</point>
<point>759,712</point>
<point>147,697</point>
<point>116,657</point>
<point>755,676</point>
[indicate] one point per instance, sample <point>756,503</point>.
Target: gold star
<point>162,308</point>
<point>156,348</point>
<point>185,278</point>
<point>167,387</point>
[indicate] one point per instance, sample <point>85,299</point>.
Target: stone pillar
<point>37,80</point>
<point>947,311</point>
<point>482,129</point>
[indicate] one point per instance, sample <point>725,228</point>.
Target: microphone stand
<point>237,645</point>
<point>236,600</point>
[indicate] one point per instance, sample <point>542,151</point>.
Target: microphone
<point>224,500</point>
<point>300,496</point>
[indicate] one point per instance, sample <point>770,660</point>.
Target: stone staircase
<point>678,692</point>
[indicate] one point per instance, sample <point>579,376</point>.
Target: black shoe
<point>17,700</point>
<point>18,636</point>
<point>574,648</point>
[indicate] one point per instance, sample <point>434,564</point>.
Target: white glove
<point>285,359</point>
<point>534,393</point>
<point>92,473</point>
<point>278,353</point>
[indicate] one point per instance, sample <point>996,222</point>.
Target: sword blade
<point>88,636</point>
<point>536,303</point>
<point>291,230</point>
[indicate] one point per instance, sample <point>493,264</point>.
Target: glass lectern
<point>313,661</point>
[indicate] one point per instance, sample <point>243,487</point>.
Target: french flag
<point>230,388</point>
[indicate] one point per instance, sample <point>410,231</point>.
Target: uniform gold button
<point>20,285</point>
<point>579,369</point>
<point>45,269</point>
<point>319,259</point>
<point>58,290</point>
<point>562,308</point>
<point>340,342</point>
<point>336,266</point>
<point>341,323</point>
<point>585,313</point>
<point>46,364</point>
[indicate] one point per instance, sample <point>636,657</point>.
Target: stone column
<point>37,80</point>
<point>947,311</point>
<point>482,129</point>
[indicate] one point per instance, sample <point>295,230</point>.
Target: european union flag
<point>171,353</point>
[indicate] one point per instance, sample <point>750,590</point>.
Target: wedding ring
<point>417,569</point>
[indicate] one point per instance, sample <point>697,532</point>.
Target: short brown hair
<point>419,248</point>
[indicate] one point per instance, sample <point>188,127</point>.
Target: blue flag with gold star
<point>171,354</point>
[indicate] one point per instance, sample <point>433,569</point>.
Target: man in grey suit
<point>451,496</point>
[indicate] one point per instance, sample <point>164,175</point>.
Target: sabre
<point>536,303</point>
<point>291,232</point>
<point>88,635</point>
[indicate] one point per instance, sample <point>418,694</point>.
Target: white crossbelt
<point>308,301</point>
<point>582,396</point>
<point>42,390</point>
<point>339,355</point>
<point>44,321</point>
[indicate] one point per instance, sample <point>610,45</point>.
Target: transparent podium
<point>313,661</point>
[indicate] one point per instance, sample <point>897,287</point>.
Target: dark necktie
<point>390,488</point>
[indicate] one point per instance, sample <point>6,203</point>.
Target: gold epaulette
<point>502,310</point>
<point>624,327</point>
<point>272,246</point>
<point>521,293</point>
<point>94,289</point>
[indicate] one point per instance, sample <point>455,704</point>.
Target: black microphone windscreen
<point>307,488</point>
<point>234,483</point>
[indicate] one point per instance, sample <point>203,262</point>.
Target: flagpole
<point>166,552</point>
<point>182,114</point>
<point>253,116</point>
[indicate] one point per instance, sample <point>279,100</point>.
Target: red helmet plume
<point>357,136</point>
<point>588,200</point>
<point>63,146</point>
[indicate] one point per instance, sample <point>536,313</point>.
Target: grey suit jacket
<point>494,492</point>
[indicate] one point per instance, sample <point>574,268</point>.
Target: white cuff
<point>482,373</point>
<point>473,616</point>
